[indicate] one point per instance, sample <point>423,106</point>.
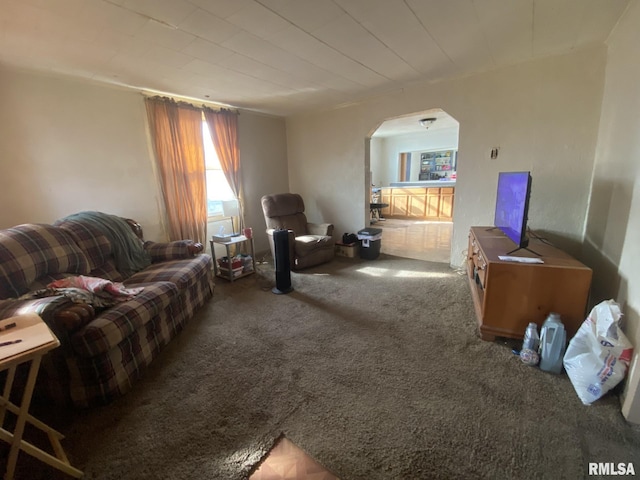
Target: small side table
<point>35,340</point>
<point>239,240</point>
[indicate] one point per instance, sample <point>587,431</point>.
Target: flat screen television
<point>512,206</point>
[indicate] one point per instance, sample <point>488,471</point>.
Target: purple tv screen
<point>512,204</point>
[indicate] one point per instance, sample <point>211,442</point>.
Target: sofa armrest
<point>320,229</point>
<point>74,317</point>
<point>45,307</point>
<point>163,251</point>
<point>166,250</point>
<point>58,312</point>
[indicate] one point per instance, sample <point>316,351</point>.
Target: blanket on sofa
<point>128,250</point>
<point>94,291</point>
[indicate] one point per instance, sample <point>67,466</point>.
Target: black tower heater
<point>283,265</point>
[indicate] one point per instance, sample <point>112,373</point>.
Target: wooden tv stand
<point>508,295</point>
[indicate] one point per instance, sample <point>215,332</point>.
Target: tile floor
<point>286,461</point>
<point>419,239</point>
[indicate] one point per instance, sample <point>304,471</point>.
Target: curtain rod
<point>189,103</point>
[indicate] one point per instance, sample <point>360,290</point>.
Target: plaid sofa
<point>100,357</point>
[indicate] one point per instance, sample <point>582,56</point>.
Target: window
<point>218,190</point>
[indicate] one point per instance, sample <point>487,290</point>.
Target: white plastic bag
<point>598,355</point>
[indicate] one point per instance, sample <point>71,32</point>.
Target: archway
<point>410,165</point>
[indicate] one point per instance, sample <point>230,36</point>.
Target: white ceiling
<point>288,56</point>
<point>410,124</point>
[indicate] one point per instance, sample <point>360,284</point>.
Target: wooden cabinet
<point>446,203</point>
<point>399,204</point>
<point>422,202</point>
<point>433,203</point>
<point>385,197</point>
<point>416,202</point>
<point>508,295</point>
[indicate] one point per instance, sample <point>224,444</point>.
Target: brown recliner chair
<point>309,243</point>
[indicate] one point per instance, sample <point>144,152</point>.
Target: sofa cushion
<point>115,324</point>
<point>108,270</point>
<point>90,239</point>
<point>45,280</point>
<point>29,251</point>
<point>183,273</point>
<point>126,247</point>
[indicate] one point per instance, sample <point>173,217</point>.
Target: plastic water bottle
<point>553,342</point>
<point>529,353</point>
<point>531,338</point>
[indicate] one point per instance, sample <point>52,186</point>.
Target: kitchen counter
<point>424,183</point>
<point>427,199</point>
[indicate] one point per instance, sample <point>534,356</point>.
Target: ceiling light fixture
<point>427,122</point>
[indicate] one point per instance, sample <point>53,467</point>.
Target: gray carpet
<point>372,367</point>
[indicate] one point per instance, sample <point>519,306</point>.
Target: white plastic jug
<point>553,342</point>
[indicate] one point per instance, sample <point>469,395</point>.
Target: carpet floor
<point>373,368</point>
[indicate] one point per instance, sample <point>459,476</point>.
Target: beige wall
<point>67,145</point>
<point>263,151</point>
<point>543,115</point>
<point>613,224</point>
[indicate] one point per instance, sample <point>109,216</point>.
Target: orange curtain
<point>176,132</point>
<point>223,126</point>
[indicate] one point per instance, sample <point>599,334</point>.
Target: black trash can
<point>370,242</point>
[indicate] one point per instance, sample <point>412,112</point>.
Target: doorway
<point>413,169</point>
